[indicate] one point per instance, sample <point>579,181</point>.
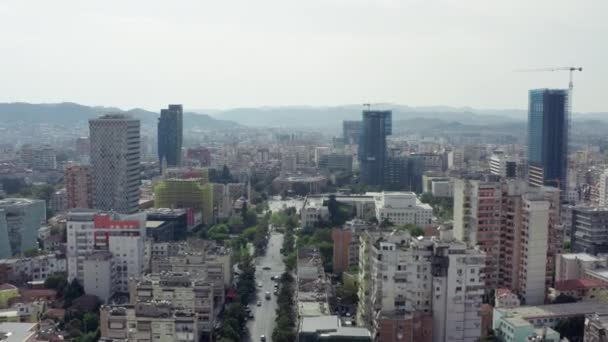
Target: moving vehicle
<point>259,303</point>
<point>266,268</point>
<point>263,338</point>
<point>267,295</point>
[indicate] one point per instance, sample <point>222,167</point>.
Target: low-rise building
<point>581,288</point>
<point>517,324</point>
<point>182,290</point>
<point>38,268</point>
<point>401,208</point>
<point>575,265</point>
<point>151,321</point>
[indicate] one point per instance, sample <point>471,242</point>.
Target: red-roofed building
<point>580,288</point>
<point>30,295</point>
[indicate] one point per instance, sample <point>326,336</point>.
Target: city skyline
<point>294,53</point>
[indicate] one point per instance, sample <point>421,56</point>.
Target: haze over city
<point>226,54</point>
<point>290,170</point>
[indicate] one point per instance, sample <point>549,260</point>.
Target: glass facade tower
<point>548,126</point>
<point>376,125</point>
<point>170,135</point>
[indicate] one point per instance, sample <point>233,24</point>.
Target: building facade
<point>20,219</point>
<point>79,186</point>
<point>91,231</point>
<point>170,135</point>
<point>589,230</point>
<point>115,162</point>
<point>376,126</point>
<point>548,128</point>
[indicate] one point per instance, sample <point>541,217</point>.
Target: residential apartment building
<point>575,265</point>
<point>458,289</point>
<point>115,163</point>
<point>20,219</point>
<point>589,230</point>
<point>433,285</point>
<point>91,231</point>
<point>516,225</point>
<point>503,165</point>
<point>153,321</point>
<point>603,189</point>
<point>182,290</point>
<point>346,244</point>
<point>22,270</point>
<point>79,186</point>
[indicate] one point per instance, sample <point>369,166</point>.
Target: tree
<point>90,322</point>
<point>236,223</point>
<point>250,218</point>
<point>571,328</point>
<point>386,223</point>
<point>219,232</point>
<point>564,298</point>
<point>56,281</point>
<point>73,291</point>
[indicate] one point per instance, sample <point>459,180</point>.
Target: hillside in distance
<point>323,117</point>
<point>67,114</point>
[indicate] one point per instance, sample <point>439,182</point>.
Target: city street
<point>264,316</point>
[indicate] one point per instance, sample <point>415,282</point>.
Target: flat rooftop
<point>17,332</point>
<point>556,310</point>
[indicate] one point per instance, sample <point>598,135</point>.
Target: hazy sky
<point>224,53</point>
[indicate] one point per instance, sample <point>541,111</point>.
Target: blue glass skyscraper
<point>548,126</point>
<point>376,125</point>
<point>170,135</point>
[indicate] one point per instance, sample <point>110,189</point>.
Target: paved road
<point>264,316</point>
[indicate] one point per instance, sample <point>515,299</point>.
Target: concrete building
<point>331,329</point>
<point>575,265</point>
<point>436,282</point>
<point>589,230</point>
<point>458,289</point>
<point>122,236</point>
<point>596,328</point>
<point>503,165</point>
<point>442,188</point>
<point>180,289</point>
<point>301,185</point>
<point>19,271</point>
<point>335,162</point>
<point>603,189</point>
<point>18,332</point>
<point>153,321</point>
<point>313,210</point>
<point>515,225</point>
<point>79,186</point>
<point>115,159</point>
<point>351,132</point>
<point>98,275</point>
<point>59,201</point>
<point>20,220</point>
<point>404,173</point>
<point>402,208</point>
<point>346,244</point>
<point>170,136</point>
<point>44,158</point>
<point>517,324</point>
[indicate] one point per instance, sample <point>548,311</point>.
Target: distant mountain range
<point>68,113</point>
<point>303,116</point>
<point>437,118</point>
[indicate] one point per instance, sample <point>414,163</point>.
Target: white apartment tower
<point>458,288</point>
<point>90,232</point>
<point>115,159</point>
<point>604,189</point>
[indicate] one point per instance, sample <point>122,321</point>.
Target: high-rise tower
<point>115,159</point>
<point>548,121</point>
<point>170,135</point>
<point>376,125</point>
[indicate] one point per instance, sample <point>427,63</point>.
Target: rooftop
<point>330,326</point>
<point>555,310</point>
<point>581,256</point>
<point>17,332</point>
<point>154,224</point>
<point>579,284</point>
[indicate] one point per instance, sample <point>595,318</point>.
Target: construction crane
<point>571,69</point>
